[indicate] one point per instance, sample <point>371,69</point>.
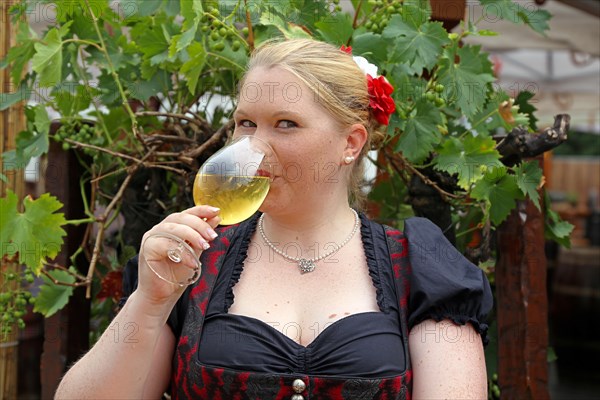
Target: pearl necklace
<point>308,264</point>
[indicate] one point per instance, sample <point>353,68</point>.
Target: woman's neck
<point>310,229</point>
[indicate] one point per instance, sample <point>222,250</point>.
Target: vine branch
<point>214,139</point>
<point>103,221</point>
<point>111,67</point>
<point>397,157</point>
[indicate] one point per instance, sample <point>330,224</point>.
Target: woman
<point>258,324</point>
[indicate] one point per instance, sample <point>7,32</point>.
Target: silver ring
<point>175,255</point>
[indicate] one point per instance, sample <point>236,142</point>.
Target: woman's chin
<point>270,204</point>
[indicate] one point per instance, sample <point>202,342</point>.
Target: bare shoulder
<point>448,361</point>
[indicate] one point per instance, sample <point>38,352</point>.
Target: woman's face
<point>309,143</point>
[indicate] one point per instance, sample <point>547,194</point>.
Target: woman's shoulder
<point>444,284</point>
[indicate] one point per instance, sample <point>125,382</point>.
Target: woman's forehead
<point>274,85</point>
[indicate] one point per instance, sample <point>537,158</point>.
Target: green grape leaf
<point>192,68</point>
<point>32,145</point>
<point>415,43</point>
<point>74,99</point>
<point>144,89</point>
<point>555,228</point>
<point>308,12</point>
<point>529,176</point>
<point>371,46</point>
<point>9,99</point>
<point>337,29</point>
<point>420,133</point>
<point>48,61</point>
<point>560,232</point>
<point>150,39</point>
<point>42,120</point>
<point>173,8</point>
<point>19,56</point>
<point>183,40</point>
<point>407,87</point>
<point>527,14</point>
<point>499,191</point>
<point>470,158</point>
<point>288,30</point>
<point>36,235</point>
<point>465,82</point>
<point>53,297</point>
<point>489,119</point>
<point>525,106</point>
<point>29,145</point>
<point>83,29</point>
<point>141,8</point>
<point>191,10</point>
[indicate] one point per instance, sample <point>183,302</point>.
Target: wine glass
<point>235,179</point>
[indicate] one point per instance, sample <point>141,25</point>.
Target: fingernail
<point>212,233</point>
<point>205,245</point>
<point>214,209</point>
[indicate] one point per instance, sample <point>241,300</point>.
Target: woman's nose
<point>262,132</point>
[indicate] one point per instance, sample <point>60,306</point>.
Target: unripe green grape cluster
<point>494,391</point>
<point>219,32</point>
<point>337,7</point>
<point>13,303</point>
<point>79,132</point>
<point>381,14</point>
<point>434,94</point>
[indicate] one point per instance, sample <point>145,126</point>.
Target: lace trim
<point>369,248</point>
<point>238,266</point>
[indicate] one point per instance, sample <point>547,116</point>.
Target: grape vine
<point>166,78</point>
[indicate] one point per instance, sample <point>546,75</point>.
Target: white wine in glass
<point>236,179</point>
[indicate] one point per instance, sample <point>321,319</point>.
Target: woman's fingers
<point>203,211</point>
<point>214,221</point>
<point>203,219</point>
<point>184,232</point>
<point>208,214</point>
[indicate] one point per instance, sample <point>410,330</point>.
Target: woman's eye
<point>245,123</point>
<point>285,123</point>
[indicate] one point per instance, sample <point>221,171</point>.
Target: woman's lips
<point>263,172</point>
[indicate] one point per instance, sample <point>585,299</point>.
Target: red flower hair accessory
<point>380,101</point>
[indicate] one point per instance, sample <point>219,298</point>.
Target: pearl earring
<point>349,159</point>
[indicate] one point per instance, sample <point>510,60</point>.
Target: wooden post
<point>12,122</point>
<point>522,305</point>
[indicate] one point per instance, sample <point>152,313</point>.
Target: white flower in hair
<point>366,66</point>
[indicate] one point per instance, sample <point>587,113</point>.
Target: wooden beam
<point>12,122</point>
<point>522,305</point>
<point>589,6</point>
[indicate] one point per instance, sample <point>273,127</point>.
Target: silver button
<point>297,397</point>
<point>299,387</point>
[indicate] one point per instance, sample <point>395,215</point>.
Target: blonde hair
<point>336,81</point>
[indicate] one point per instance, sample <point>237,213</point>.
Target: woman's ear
<point>355,141</point>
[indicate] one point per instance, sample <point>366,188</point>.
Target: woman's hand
<point>195,227</point>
